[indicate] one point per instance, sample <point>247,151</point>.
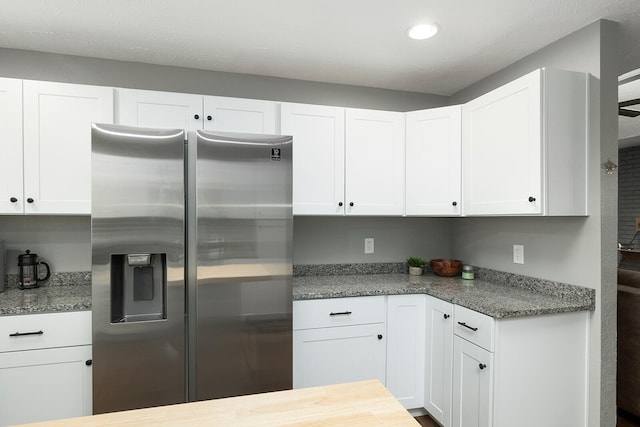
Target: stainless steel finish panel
<point>137,208</point>
<point>244,264</point>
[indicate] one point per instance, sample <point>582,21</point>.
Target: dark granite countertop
<point>495,294</point>
<point>63,292</point>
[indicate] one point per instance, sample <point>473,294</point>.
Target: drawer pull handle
<point>482,366</point>
<point>340,313</point>
<point>467,326</point>
<point>22,334</point>
<point>446,316</point>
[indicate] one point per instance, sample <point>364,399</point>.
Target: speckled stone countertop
<point>496,294</point>
<point>62,292</point>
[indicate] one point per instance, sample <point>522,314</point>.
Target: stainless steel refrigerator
<point>191,265</point>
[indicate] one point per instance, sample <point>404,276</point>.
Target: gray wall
<point>580,251</point>
<point>336,240</point>
<point>24,64</point>
<point>64,242</point>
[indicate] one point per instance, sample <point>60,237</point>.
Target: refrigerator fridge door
<point>242,340</point>
<point>138,256</point>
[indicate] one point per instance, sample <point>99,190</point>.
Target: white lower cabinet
<point>520,371</point>
<point>338,340</point>
<point>338,355</point>
<point>472,391</point>
<point>41,385</point>
<point>45,367</point>
<point>465,368</point>
<point>405,349</point>
<point>438,359</point>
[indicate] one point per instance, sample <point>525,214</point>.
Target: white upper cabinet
<point>239,115</point>
<point>152,109</point>
<point>11,199</point>
<point>433,158</point>
<point>318,157</point>
<point>374,166</point>
<point>524,147</point>
<point>147,108</point>
<point>345,161</point>
<point>57,144</point>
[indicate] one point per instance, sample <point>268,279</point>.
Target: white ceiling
<point>359,42</point>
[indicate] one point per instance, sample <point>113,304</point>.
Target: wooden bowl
<point>446,267</point>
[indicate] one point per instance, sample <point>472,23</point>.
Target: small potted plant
<point>416,266</point>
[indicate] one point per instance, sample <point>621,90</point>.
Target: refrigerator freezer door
<point>244,265</point>
<point>138,256</point>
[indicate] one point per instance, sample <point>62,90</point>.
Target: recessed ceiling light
<point>422,31</point>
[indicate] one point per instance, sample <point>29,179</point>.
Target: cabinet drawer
<point>48,330</point>
<point>474,327</point>
<point>324,313</point>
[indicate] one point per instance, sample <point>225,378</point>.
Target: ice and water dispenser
<point>138,287</point>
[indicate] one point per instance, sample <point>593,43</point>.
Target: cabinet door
<point>318,157</point>
<point>374,177</point>
<point>502,150</point>
<point>438,360</point>
<point>472,385</point>
<point>152,109</point>
<point>239,115</point>
<point>405,349</point>
<point>11,147</point>
<point>433,175</point>
<point>337,355</point>
<point>57,144</point>
<point>39,385</point>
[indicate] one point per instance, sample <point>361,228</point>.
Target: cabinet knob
<point>89,362</point>
<point>446,316</point>
<point>197,116</point>
<point>13,200</point>
<point>532,199</point>
<point>350,203</point>
<point>209,118</point>
<point>29,200</point>
<point>340,204</point>
<point>454,204</point>
<point>379,336</point>
<point>482,366</point>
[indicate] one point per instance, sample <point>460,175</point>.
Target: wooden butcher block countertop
<point>365,403</point>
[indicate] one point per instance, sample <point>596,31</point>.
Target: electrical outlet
<point>368,245</point>
<point>518,254</point>
<point>638,223</point>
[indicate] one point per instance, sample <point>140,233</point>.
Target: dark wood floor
<point>427,421</point>
<point>627,420</point>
